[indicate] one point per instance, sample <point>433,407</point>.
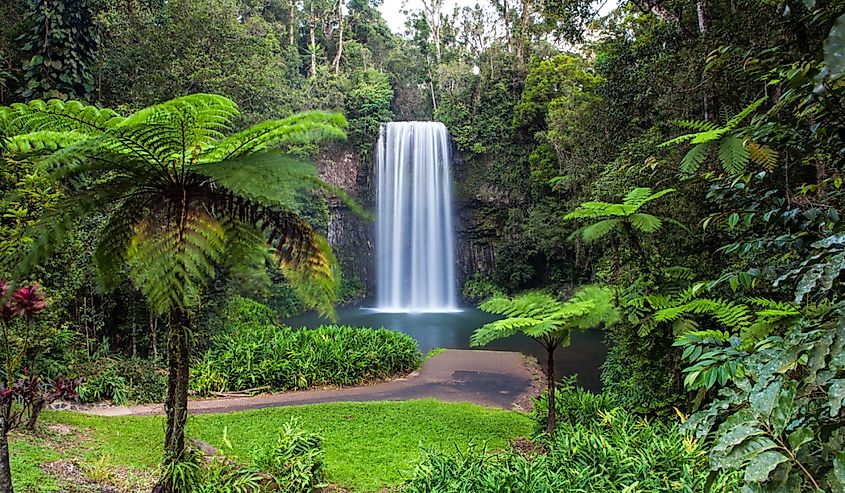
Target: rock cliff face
<point>353,238</point>
<point>350,235</point>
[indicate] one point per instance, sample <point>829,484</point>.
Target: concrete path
<point>489,378</point>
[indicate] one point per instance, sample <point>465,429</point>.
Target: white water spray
<point>415,239</point>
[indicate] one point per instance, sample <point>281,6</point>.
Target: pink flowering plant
<point>23,395</point>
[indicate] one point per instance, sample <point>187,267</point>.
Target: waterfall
<point>415,238</point>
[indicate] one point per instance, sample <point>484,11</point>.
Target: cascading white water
<point>415,239</point>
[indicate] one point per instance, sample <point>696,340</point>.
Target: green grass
<point>26,455</point>
<point>367,445</point>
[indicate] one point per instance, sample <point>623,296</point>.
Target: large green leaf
<point>761,466</point>
<point>836,396</point>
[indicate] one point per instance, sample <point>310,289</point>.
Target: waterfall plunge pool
<point>452,330</point>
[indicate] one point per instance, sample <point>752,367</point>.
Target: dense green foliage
<point>596,449</point>
<point>686,156</point>
<point>273,357</point>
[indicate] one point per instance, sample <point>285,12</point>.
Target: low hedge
<point>253,355</point>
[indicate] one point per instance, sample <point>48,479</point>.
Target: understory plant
<point>294,461</point>
<point>548,321</point>
<point>779,416</point>
<point>599,449</point>
<point>253,355</point>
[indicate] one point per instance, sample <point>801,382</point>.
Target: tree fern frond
<point>733,154</point>
<point>598,230</point>
<point>677,140</point>
<point>38,142</point>
<point>763,156</point>
<point>647,223</point>
<point>61,116</point>
<point>311,127</point>
<point>709,136</point>
<point>306,260</point>
<point>51,229</point>
<point>268,178</point>
<point>499,329</point>
<point>590,210</point>
<point>639,201</point>
<point>171,263</point>
<point>693,160</point>
<point>202,118</point>
<point>115,238</point>
<point>699,125</point>
<point>742,115</point>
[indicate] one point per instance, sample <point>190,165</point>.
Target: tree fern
<point>734,153</point>
<point>183,198</point>
<point>547,320</point>
<point>616,217</point>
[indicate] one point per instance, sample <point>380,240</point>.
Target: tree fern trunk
<point>176,406</point>
<point>550,376</point>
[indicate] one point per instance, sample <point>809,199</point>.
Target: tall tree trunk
<point>312,47</point>
<point>5,465</point>
<point>523,31</point>
<point>702,9</point>
<point>293,24</point>
<point>550,376</point>
<point>134,338</point>
<point>176,406</point>
<point>339,53</point>
<point>507,22</point>
<point>154,334</point>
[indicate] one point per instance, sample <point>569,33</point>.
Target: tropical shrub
<point>294,460</point>
<point>613,450</point>
<point>480,287</point>
<point>196,474</point>
<point>779,416</point>
<point>282,358</point>
<point>122,381</point>
<point>573,404</point>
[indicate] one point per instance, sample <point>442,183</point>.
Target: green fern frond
<point>693,160</point>
<point>115,238</point>
<point>543,317</point>
<point>203,117</point>
<point>599,230</point>
<point>733,154</point>
<point>745,113</point>
<point>699,125</point>
<point>590,210</point>
<point>310,127</point>
<point>646,223</point>
<point>171,263</point>
<point>61,116</point>
<point>728,313</point>
<point>268,178</point>
<point>44,141</point>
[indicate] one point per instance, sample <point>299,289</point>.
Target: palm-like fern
<point>547,320</point>
<point>183,198</point>
<point>626,217</point>
<point>734,152</point>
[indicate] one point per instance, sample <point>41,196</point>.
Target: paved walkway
<point>489,378</point>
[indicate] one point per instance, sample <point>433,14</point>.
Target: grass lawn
<point>367,445</point>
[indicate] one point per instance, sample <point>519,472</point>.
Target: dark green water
<point>452,330</point>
